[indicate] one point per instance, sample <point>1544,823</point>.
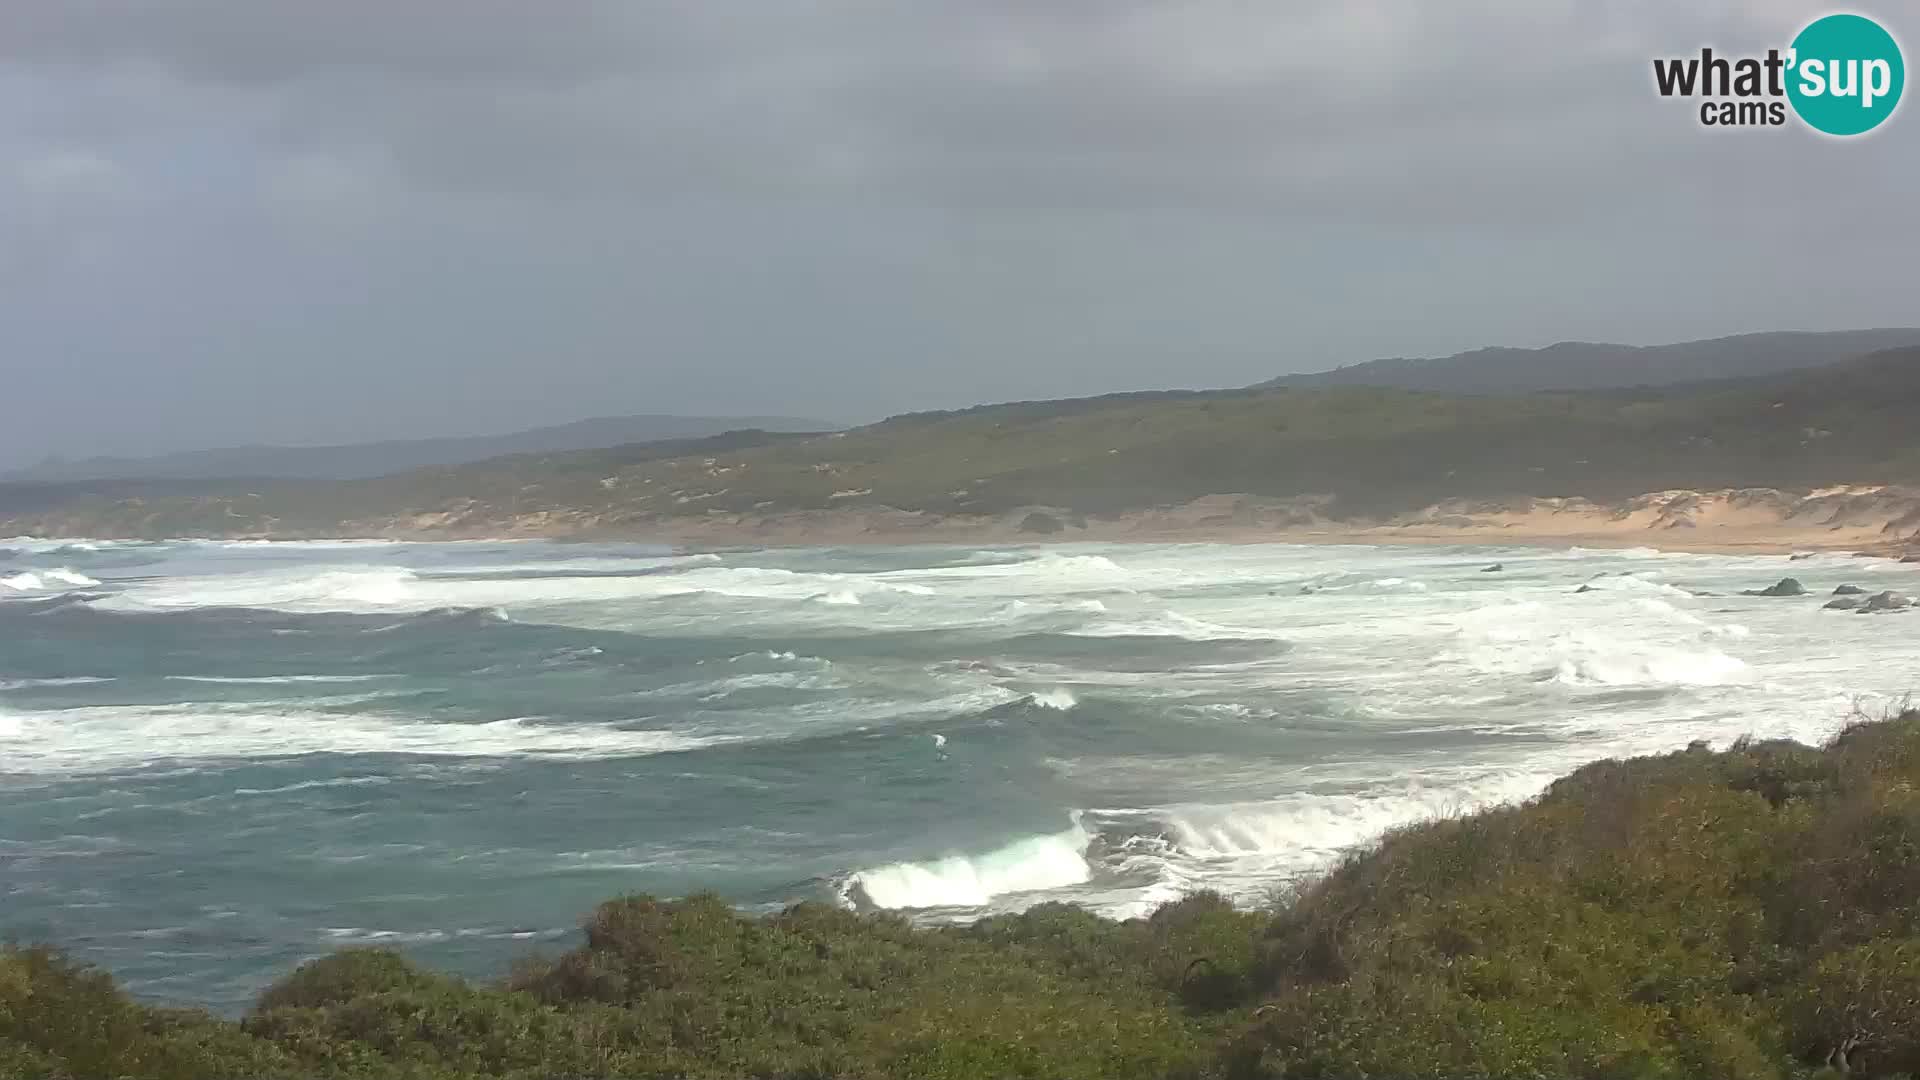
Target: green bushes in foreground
<point>1741,915</point>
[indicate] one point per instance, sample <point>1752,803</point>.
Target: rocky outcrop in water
<point>1786,586</point>
<point>1886,601</point>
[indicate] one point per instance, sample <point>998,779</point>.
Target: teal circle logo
<point>1845,75</point>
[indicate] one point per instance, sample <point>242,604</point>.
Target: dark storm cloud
<point>308,221</point>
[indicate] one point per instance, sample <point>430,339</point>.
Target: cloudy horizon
<point>223,222</point>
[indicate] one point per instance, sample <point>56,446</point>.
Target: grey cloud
<point>310,221</point>
<point>1106,103</point>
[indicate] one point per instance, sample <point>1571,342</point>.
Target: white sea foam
<point>1635,582</point>
<point>1058,698</point>
<point>108,738</point>
<point>66,545</point>
<point>59,576</point>
<point>314,785</point>
<point>1628,665</point>
<point>271,680</point>
<point>1170,624</point>
<point>397,589</point>
<point>1313,828</point>
<point>1030,864</point>
<point>1410,703</point>
<point>71,680</point>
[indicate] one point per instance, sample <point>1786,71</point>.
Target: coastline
<point>1864,520</point>
<point>1870,521</point>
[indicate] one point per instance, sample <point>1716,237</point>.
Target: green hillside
<point>1375,450</point>
<point>1585,365</point>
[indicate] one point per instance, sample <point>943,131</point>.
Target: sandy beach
<point>1878,521</point>
<point>1870,520</point>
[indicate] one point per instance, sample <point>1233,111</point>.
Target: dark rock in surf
<point>1586,588</point>
<point>1846,603</point>
<point>1848,590</point>
<point>1886,601</point>
<point>1494,569</point>
<point>1038,522</point>
<point>1786,586</point>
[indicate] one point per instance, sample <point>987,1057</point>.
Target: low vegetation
<point>1746,914</point>
<point>1374,451</point>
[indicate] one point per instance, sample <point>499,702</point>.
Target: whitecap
<point>1030,864</point>
<point>107,738</point>
<point>1650,666</point>
<point>1058,698</point>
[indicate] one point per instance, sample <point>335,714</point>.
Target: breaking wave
<point>32,581</point>
<point>1650,666</point>
<point>111,738</point>
<point>1031,864</point>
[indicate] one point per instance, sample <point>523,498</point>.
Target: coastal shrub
<point>1866,998</point>
<point>342,976</point>
<point>61,1019</point>
<point>1738,915</point>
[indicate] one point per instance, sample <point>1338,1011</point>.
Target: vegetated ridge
<point>1341,453</point>
<point>1585,365</point>
<point>357,460</point>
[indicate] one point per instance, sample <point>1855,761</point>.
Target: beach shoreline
<point>1866,521</point>
<point>1869,521</point>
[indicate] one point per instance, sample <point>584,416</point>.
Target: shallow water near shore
<point>219,759</point>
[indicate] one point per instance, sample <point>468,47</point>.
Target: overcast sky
<point>225,221</point>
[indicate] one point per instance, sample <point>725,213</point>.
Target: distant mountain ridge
<point>362,460</point>
<point>1350,452</point>
<point>1580,365</point>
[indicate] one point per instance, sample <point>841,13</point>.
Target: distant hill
<point>361,460</point>
<point>1580,365</point>
<point>1373,450</point>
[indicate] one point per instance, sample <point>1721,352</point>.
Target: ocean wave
<point>40,580</point>
<point>1123,861</point>
<point>67,680</point>
<point>359,935</point>
<point>1059,699</point>
<point>714,690</point>
<point>1171,624</point>
<point>271,680</point>
<point>1313,829</point>
<point>30,545</point>
<point>57,603</point>
<point>316,785</point>
<point>1030,864</point>
<point>372,589</point>
<point>1635,582</point>
<point>1044,566</point>
<point>446,617</point>
<point>1621,553</point>
<point>110,738</point>
<point>1650,666</point>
